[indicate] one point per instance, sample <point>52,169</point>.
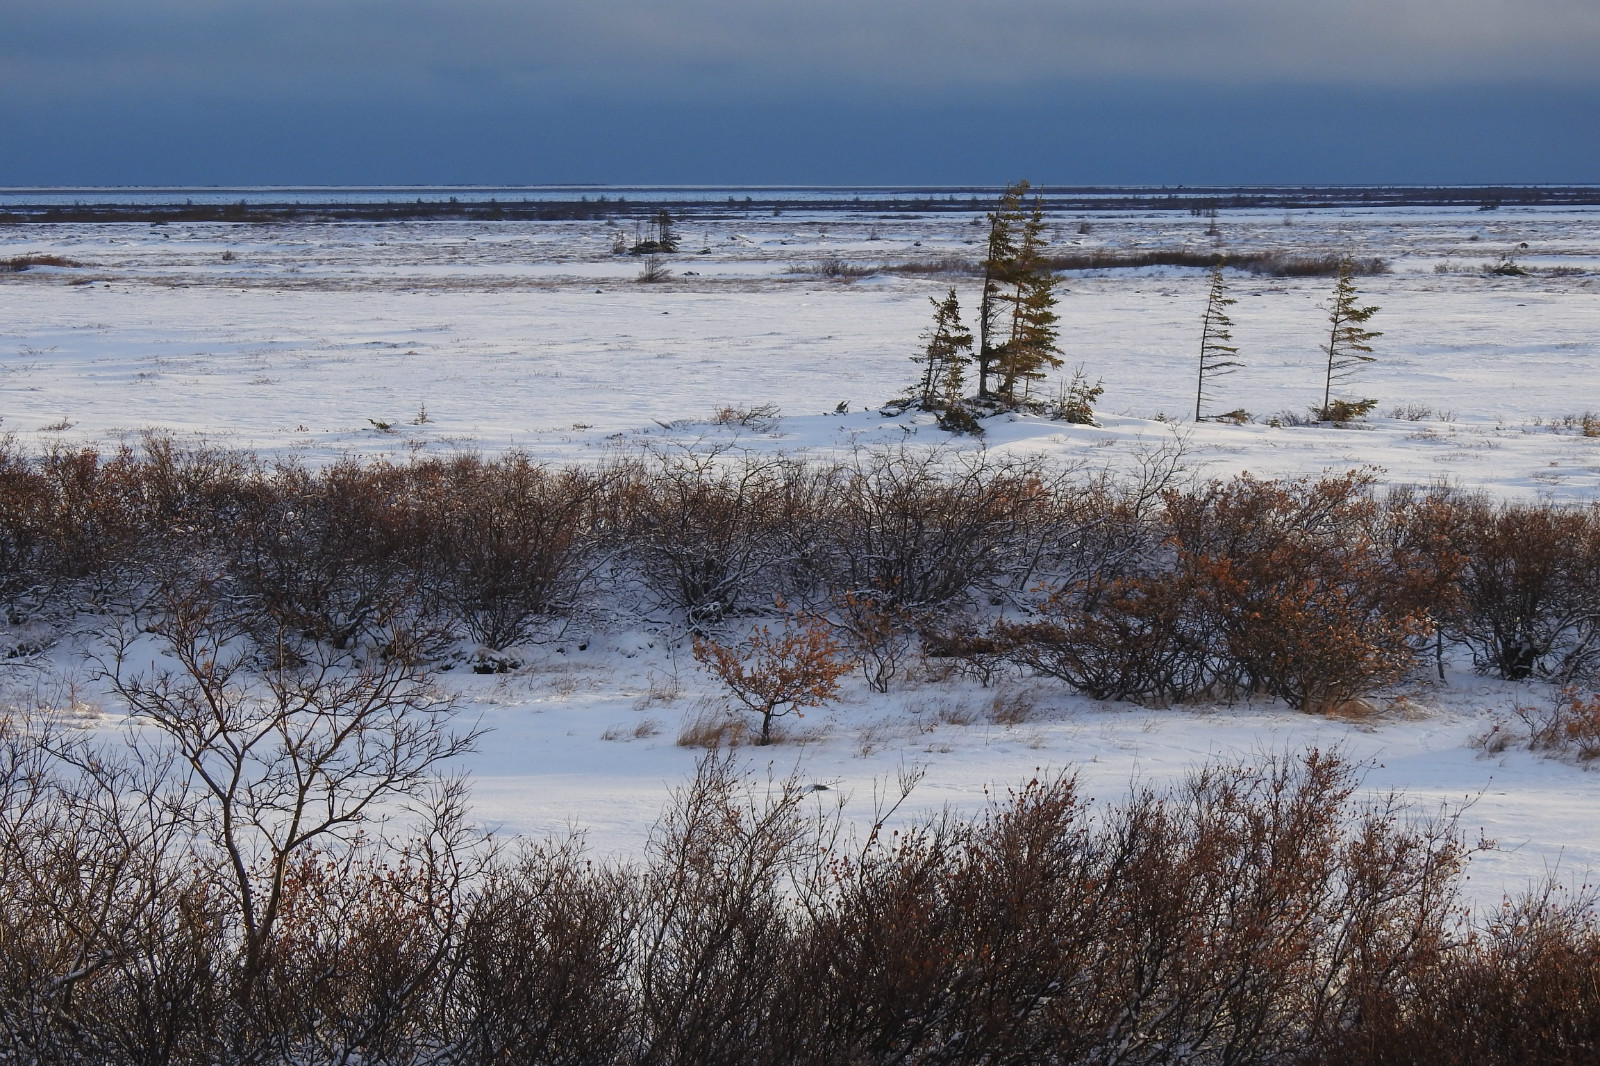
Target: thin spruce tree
<point>1348,349</point>
<point>946,356</point>
<point>1032,346</point>
<point>1216,331</point>
<point>999,268</point>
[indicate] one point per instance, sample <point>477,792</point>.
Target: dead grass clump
<point>715,728</point>
<point>17,264</point>
<point>666,689</point>
<point>956,714</point>
<point>1011,707</point>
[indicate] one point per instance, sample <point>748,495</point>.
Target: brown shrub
<point>775,676</point>
<point>1530,588</point>
<point>508,543</point>
<point>705,538</point>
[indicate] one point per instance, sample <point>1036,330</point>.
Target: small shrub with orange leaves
<point>879,632</point>
<point>1568,725</point>
<point>778,675</point>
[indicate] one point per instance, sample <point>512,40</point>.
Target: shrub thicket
<point>1254,914</point>
<point>1313,591</point>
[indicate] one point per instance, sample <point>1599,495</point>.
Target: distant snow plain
<point>298,340</point>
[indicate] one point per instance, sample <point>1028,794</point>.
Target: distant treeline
<point>1056,199</point>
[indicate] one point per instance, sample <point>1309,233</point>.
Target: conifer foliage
<point>999,265</point>
<point>946,357</point>
<point>1348,347</point>
<point>1217,354</point>
<point>1031,348</point>
<point>1018,301</point>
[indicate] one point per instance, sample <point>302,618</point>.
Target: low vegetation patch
<point>18,264</point>
<point>1314,591</point>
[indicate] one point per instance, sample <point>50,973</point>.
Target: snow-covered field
<point>298,339</point>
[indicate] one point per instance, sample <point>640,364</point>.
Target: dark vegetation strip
<point>1057,199</point>
<point>1273,263</point>
<point>1155,589</point>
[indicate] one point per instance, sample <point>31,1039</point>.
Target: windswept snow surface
<point>294,340</point>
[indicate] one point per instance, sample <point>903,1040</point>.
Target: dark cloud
<point>694,47</point>
<point>175,70</point>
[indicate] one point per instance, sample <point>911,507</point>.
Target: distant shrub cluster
<point>1315,592</point>
<point>1273,263</point>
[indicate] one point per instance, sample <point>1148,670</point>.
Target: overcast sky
<point>839,91</point>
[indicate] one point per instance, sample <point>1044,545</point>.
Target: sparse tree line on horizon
<point>1018,336</point>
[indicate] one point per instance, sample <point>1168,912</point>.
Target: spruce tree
<point>1348,349</point>
<point>1031,348</point>
<point>999,268</point>
<point>944,359</point>
<point>1216,354</point>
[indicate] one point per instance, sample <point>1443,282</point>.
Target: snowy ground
<point>290,339</point>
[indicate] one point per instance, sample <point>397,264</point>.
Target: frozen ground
<point>290,339</point>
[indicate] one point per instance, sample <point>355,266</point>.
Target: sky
<point>113,92</point>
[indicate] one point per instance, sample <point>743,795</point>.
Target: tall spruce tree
<point>999,269</point>
<point>1348,349</point>
<point>946,356</point>
<point>1216,330</point>
<point>1031,347</point>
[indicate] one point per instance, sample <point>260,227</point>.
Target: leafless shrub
<point>1276,588</point>
<point>1567,724</point>
<point>841,268</point>
<point>544,964</point>
<point>654,271</point>
<point>706,538</point>
<point>763,418</point>
<point>1529,585</point>
<point>943,265</point>
<point>328,554</point>
<point>509,540</point>
<point>1254,913</point>
<point>911,533</point>
<point>878,633</point>
<point>968,650</point>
